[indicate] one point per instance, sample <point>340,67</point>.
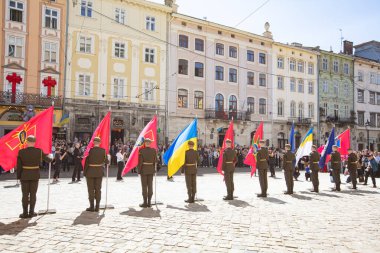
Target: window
<point>325,64</point>
<point>233,75</point>
<point>15,46</point>
<point>233,52</point>
<point>219,49</point>
<point>372,96</point>
<point>325,109</point>
<point>280,62</point>
<point>198,100</point>
<point>325,86</point>
<point>378,98</point>
<point>50,52</point>
<point>292,109</point>
<point>300,86</point>
<point>199,69</point>
<point>219,73</point>
<point>292,65</point>
<point>85,44</point>
<point>86,8</point>
<point>336,111</point>
<point>372,78</point>
<point>378,120</point>
<point>232,104</point>
<point>372,119</point>
<point>311,110</point>
<point>345,111</point>
<point>311,88</point>
<point>262,106</point>
<point>84,86</point>
<point>219,102</point>
<point>346,90</point>
<point>251,105</point>
<point>360,96</point>
<point>16,11</point>
<point>280,82</point>
<point>199,45</point>
<point>150,23</point>
<point>292,85</point>
<point>250,56</point>
<point>250,78</point>
<point>346,69</point>
<point>262,80</point>
<point>310,67</point>
<point>183,41</point>
<point>280,108</point>
<point>360,118</point>
<point>300,66</point>
<point>119,50</point>
<point>183,67</point>
<point>336,88</point>
<point>360,76</point>
<point>120,15</point>
<point>51,18</point>
<point>182,98</point>
<point>149,88</point>
<point>262,58</point>
<point>150,55</point>
<point>300,110</point>
<point>118,88</point>
<point>336,67</point>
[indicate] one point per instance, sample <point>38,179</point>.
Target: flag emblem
<point>18,139</point>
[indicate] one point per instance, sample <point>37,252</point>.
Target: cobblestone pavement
<point>347,221</point>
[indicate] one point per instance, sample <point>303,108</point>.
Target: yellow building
<point>117,58</point>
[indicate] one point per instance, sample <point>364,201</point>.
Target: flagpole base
<point>158,203</point>
<point>108,206</point>
<point>12,186</point>
<point>49,211</point>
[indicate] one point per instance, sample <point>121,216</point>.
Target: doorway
<point>117,135</point>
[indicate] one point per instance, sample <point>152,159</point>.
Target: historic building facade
<point>117,59</point>
<point>32,59</point>
<point>217,73</point>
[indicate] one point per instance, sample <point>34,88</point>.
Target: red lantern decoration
<point>14,79</point>
<point>49,83</point>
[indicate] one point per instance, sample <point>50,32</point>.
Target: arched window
<point>219,102</point>
<point>251,105</point>
<point>292,109</point>
<point>232,106</point>
<point>182,98</point>
<point>300,110</point>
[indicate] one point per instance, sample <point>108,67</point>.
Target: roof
<point>376,43</point>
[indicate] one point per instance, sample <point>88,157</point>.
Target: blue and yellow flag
<point>174,157</point>
<point>64,120</point>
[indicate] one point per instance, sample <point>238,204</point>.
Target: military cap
<point>97,139</point>
<point>31,138</point>
<point>228,141</point>
<point>287,146</point>
<point>314,146</point>
<point>147,140</point>
<point>190,143</point>
<point>263,141</point>
<point>335,146</point>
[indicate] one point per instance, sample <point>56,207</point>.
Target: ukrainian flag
<point>305,146</point>
<point>174,157</point>
<point>64,120</point>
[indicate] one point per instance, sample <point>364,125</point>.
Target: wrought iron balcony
<point>24,99</point>
<point>299,121</point>
<point>225,115</point>
<point>340,120</point>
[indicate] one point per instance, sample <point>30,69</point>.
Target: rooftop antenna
<point>341,40</point>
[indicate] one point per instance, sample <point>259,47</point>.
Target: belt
<point>336,162</point>
<point>30,167</point>
<point>262,160</point>
<point>315,162</point>
<point>147,163</point>
<point>190,164</point>
<point>353,162</point>
<point>229,162</point>
<point>95,165</point>
<point>288,161</point>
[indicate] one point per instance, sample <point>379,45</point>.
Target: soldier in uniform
<point>28,172</point>
<point>93,171</point>
<point>228,167</point>
<point>262,166</point>
<point>314,160</point>
<point>288,166</point>
<point>352,167</point>
<point>190,170</point>
<point>146,168</point>
<point>336,167</point>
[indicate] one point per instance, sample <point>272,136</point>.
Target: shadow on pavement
<point>296,196</point>
<point>14,228</point>
<point>369,192</point>
<point>238,203</point>
<point>274,200</point>
<point>88,218</point>
<point>321,194</point>
<point>194,207</point>
<point>143,213</point>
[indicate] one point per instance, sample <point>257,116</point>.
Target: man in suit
<point>314,160</point>
<point>190,170</point>
<point>93,171</point>
<point>28,172</point>
<point>262,166</point>
<point>288,166</point>
<point>77,154</point>
<point>228,167</point>
<point>146,168</point>
<point>336,167</point>
<point>352,165</point>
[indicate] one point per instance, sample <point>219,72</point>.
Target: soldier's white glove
<point>50,156</point>
<point>109,157</point>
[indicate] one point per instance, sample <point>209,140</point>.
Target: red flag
<point>150,131</point>
<point>229,135</point>
<point>41,126</point>
<point>103,131</point>
<point>250,159</point>
<point>343,141</point>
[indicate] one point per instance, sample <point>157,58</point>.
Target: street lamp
<point>367,125</point>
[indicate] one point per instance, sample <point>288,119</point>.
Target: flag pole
<point>155,179</point>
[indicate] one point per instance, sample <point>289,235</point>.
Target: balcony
<point>225,115</point>
<point>24,99</point>
<point>299,121</point>
<point>340,120</point>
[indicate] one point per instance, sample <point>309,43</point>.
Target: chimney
<point>348,47</point>
<point>172,4</point>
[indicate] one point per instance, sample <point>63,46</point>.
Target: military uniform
<point>146,169</point>
<point>314,160</point>
<point>190,170</point>
<point>262,166</point>
<point>288,166</point>
<point>352,168</point>
<point>336,167</point>
<point>28,172</point>
<point>93,171</point>
<point>228,167</point>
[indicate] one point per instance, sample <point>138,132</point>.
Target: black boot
<point>188,200</point>
<point>31,212</point>
<point>24,214</point>
<point>91,208</point>
<point>97,206</point>
<point>149,202</point>
<point>144,205</point>
<point>192,198</point>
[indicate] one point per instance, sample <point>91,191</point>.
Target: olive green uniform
<point>228,167</point>
<point>336,167</point>
<point>28,172</point>
<point>314,167</point>
<point>190,170</point>
<point>146,169</point>
<point>352,168</point>
<point>262,166</point>
<point>93,171</point>
<point>288,166</point>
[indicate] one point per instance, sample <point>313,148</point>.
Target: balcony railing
<point>340,120</point>
<point>225,115</point>
<point>299,121</point>
<point>24,99</point>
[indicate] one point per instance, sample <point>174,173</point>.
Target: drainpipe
<point>318,105</point>
<point>65,67</point>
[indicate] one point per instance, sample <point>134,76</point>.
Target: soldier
<point>190,170</point>
<point>336,167</point>
<point>262,166</point>
<point>228,166</point>
<point>288,166</point>
<point>352,166</point>
<point>314,160</point>
<point>146,169</point>
<point>93,171</point>
<point>28,172</point>
<point>77,162</point>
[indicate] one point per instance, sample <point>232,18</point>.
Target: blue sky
<point>310,22</point>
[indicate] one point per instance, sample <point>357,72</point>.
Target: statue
<point>29,113</point>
